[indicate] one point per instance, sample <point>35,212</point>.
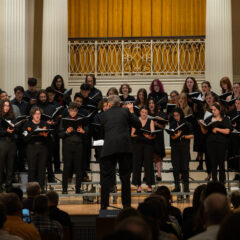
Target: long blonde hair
<point>185,108</point>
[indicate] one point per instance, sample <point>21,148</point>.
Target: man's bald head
<point>216,208</point>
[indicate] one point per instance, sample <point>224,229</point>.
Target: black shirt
<point>186,130</point>
<point>29,127</point>
<point>3,129</point>
<point>29,95</point>
<point>23,106</point>
<point>96,94</point>
<point>70,138</point>
<point>219,137</point>
<point>58,215</point>
<point>128,99</point>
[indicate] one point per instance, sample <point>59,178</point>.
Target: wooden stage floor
<point>75,206</point>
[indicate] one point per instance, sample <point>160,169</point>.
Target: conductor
<point>117,148</point>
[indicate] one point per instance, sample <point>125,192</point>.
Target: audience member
<point>235,200</point>
<point>230,228</point>
<point>189,213</point>
<point>216,209</point>
<point>33,190</point>
<point>54,212</point>
<point>137,226</point>
<point>41,219</point>
<point>3,234</point>
<point>173,211</point>
<point>14,224</point>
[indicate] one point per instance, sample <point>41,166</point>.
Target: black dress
<point>128,99</point>
<point>180,154</point>
<point>217,145</point>
<point>8,151</point>
<point>159,145</point>
<point>143,149</point>
<point>234,146</point>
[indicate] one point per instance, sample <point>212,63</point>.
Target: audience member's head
<point>18,191</point>
<point>155,207</point>
<point>197,196</point>
<point>40,205</point>
<point>214,187</point>
<point>12,203</point>
<point>165,192</point>
<point>126,213</point>
<point>137,226</point>
<point>235,199</point>
<point>53,198</point>
<point>123,234</point>
<point>230,228</point>
<point>216,208</point>
<point>33,189</point>
<point>2,215</point>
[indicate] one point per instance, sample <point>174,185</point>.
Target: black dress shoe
<point>64,191</point>
<point>58,171</point>
<point>237,177</point>
<point>159,179</point>
<point>78,191</point>
<point>176,189</point>
<point>200,166</point>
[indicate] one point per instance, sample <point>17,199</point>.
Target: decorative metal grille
<point>136,57</point>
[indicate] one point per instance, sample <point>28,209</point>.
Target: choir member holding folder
<point>63,96</point>
<point>36,136</point>
<point>71,131</point>
<point>180,134</point>
<point>95,94</point>
<point>217,127</point>
<point>160,120</point>
<point>125,90</point>
<point>158,94</point>
<point>8,148</point>
<point>143,149</point>
<point>234,146</point>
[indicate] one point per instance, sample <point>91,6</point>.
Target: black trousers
<point>86,155</point>
<point>180,155</point>
<point>208,163</point>
<point>21,155</point>
<point>56,152</point>
<point>217,154</point>
<point>72,160</point>
<point>37,156</point>
<point>108,172</point>
<point>8,151</point>
<point>143,156</point>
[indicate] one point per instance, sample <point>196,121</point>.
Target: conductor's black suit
<point>117,148</point>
